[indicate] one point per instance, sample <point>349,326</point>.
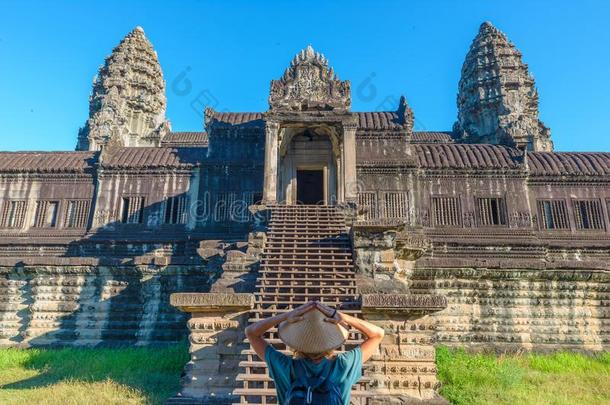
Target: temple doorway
<point>307,168</point>
<point>310,187</point>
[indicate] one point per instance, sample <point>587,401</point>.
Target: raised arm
<point>374,334</point>
<point>255,331</point>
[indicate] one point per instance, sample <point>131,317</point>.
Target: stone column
<point>216,337</point>
<point>271,162</point>
<point>404,368</point>
<point>349,163</point>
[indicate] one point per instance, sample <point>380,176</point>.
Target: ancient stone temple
<point>481,236</point>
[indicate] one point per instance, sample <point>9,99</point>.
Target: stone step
<point>294,294</point>
<point>277,282</point>
<point>273,270</point>
<point>304,222</point>
<point>307,255</point>
<point>343,243</point>
<point>292,264</point>
<point>267,392</point>
<point>272,312</point>
<point>297,260</point>
<point>266,378</point>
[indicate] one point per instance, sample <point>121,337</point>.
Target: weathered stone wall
<point>507,309</point>
<point>93,304</point>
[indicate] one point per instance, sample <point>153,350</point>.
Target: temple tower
<point>127,102</point>
<point>497,99</point>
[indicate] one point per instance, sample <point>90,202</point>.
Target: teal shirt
<point>346,370</point>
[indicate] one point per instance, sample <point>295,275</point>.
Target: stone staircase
<point>307,256</point>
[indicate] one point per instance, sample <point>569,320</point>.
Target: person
<point>313,331</point>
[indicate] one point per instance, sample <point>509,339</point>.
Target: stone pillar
<point>349,163</point>
<point>271,162</point>
<point>404,369</point>
<point>216,337</point>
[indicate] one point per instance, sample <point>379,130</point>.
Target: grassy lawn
<point>150,375</point>
<point>560,378</point>
<point>90,376</point>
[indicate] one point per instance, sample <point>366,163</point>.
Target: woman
<point>313,331</point>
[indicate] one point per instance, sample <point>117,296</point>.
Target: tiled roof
<point>380,150</point>
<point>153,157</point>
<point>366,120</point>
<point>569,163</point>
<point>466,156</point>
<point>431,137</point>
<point>178,139</point>
<point>379,121</point>
<point>46,162</point>
<point>239,118</point>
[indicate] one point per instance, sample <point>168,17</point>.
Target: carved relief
<point>520,220</point>
<point>468,219</point>
<point>309,83</point>
<point>422,218</point>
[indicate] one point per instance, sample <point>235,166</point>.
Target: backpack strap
<point>299,373</point>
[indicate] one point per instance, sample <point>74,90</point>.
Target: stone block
<point>212,302</point>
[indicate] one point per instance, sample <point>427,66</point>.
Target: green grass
<point>90,376</point>
<point>560,378</point>
<point>151,375</point>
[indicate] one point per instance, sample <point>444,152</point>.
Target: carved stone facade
<point>127,103</point>
<point>513,237</point>
<point>498,100</point>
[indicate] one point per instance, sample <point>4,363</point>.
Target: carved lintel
<point>379,225</point>
<point>401,305</point>
<point>212,302</point>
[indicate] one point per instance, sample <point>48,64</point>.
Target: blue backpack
<point>312,390</point>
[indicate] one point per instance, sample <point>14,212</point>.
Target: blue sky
<point>224,54</point>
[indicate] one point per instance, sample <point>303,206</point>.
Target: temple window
<point>239,208</point>
<point>395,205</point>
<point>175,210</point>
<point>77,213</point>
<point>588,214</point>
<point>132,210</point>
<point>368,201</point>
<point>46,214</point>
<point>446,211</point>
<point>553,214</point>
<point>492,211</point>
<point>222,206</point>
<point>13,214</point>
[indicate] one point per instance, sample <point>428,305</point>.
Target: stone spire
<point>497,99</point>
<point>127,103</point>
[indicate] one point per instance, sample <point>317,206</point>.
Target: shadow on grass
<point>154,372</point>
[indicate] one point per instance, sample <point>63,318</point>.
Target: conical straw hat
<point>312,334</point>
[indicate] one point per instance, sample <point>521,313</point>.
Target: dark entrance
<point>310,187</point>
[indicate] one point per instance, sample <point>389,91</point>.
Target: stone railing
<point>404,368</point>
<point>216,337</point>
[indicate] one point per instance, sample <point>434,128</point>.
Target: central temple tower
<point>310,135</point>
